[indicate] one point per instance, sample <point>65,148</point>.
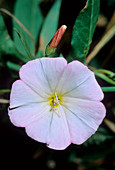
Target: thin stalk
<point>107,37</point>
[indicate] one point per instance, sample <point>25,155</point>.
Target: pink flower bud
<point>51,47</point>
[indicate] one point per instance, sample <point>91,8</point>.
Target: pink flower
<point>56,102</point>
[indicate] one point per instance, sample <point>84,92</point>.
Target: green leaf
<point>99,137</point>
<point>97,154</point>
<point>50,25</point>
<point>108,72</point>
<point>83,31</point>
<point>106,78</point>
<point>13,66</point>
<point>39,54</point>
<point>106,75</point>
<point>28,12</point>
<point>24,43</point>
<point>7,46</point>
<point>108,89</point>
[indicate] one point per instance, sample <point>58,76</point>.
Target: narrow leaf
<point>104,71</point>
<point>13,66</point>
<point>28,12</point>
<point>24,43</point>
<point>83,30</point>
<point>39,54</point>
<point>106,78</point>
<point>7,46</point>
<point>108,89</point>
<point>50,25</point>
<point>99,137</point>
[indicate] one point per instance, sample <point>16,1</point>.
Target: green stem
<point>108,89</point>
<point>104,77</point>
<point>110,73</point>
<point>5,91</point>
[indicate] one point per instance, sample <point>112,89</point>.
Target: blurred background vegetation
<point>17,150</point>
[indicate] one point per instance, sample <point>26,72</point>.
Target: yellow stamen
<point>55,100</point>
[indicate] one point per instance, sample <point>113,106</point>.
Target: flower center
<point>55,100</point>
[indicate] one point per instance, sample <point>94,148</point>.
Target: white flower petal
<point>24,115</point>
<point>39,129</point>
<point>80,132</point>
<point>43,74</point>
<point>84,117</point>
<point>74,74</point>
<point>52,130</point>
<point>21,94</point>
<point>59,136</point>
<point>87,90</point>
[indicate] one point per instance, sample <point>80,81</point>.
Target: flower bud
<point>51,47</point>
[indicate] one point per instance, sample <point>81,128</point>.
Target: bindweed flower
<point>57,103</point>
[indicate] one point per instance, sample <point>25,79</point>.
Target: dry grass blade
<point>110,124</point>
<point>4,101</point>
<point>109,34</point>
<point>111,22</point>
